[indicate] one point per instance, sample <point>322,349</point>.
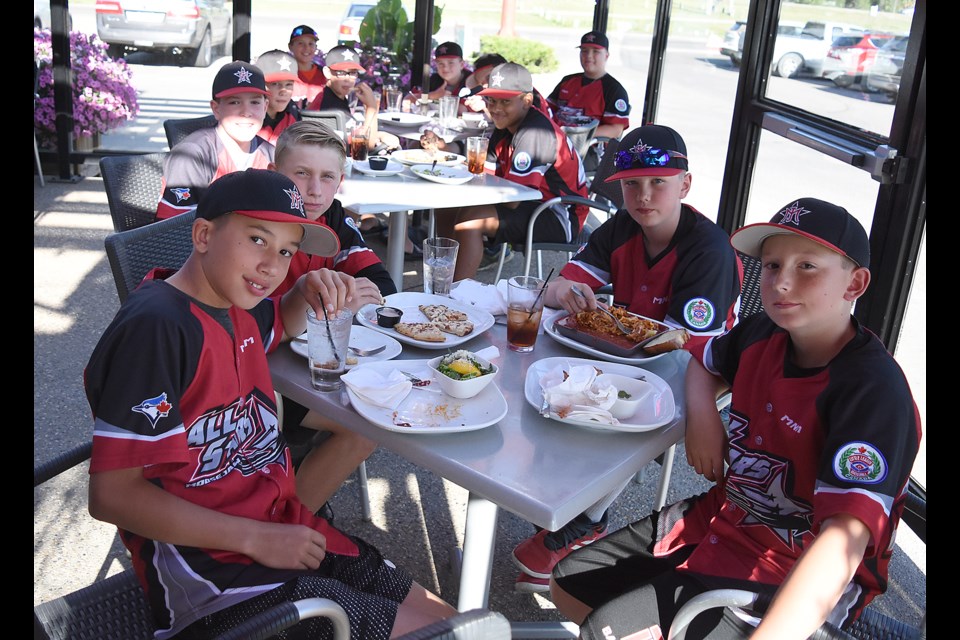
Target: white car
<point>41,15</point>
<point>351,21</point>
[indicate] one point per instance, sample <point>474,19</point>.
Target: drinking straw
<point>539,295</point>
<point>326,319</point>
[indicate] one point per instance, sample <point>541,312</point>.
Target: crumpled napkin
<point>485,297</point>
<point>580,396</point>
<point>377,389</point>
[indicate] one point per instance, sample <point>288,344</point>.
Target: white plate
<point>363,166</point>
<point>409,302</point>
<point>419,156</point>
<point>361,338</point>
<point>653,414</point>
<point>429,412</point>
<point>402,119</point>
<point>443,175</point>
<point>551,331</point>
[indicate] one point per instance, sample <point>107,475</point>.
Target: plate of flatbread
<point>429,321</point>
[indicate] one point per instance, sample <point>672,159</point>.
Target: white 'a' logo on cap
<point>792,214</point>
<point>497,79</point>
<point>243,76</point>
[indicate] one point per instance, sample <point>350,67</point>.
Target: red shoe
<point>537,555</point>
<point>527,583</point>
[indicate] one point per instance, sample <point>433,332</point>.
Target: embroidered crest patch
<point>859,462</point>
<point>522,162</point>
<point>620,105</point>
<point>698,313</point>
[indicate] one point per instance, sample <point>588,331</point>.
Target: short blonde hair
<point>311,132</point>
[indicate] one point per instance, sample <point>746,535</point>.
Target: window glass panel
<point>912,353</point>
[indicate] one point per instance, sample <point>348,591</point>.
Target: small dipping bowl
<point>388,316</point>
<point>377,163</point>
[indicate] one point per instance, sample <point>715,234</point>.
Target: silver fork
<point>363,353</point>
<point>616,321</point>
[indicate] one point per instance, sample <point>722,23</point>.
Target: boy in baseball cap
<point>666,261</point>
<point>239,103</point>
<point>280,73</point>
<point>811,475</point>
<point>303,46</point>
<point>188,458</point>
<point>451,75</point>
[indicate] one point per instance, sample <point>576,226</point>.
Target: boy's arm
<point>815,583</point>
<point>337,290</point>
<point>706,439</point>
<point>125,498</point>
<point>559,295</point>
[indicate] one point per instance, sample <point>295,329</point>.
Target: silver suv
<point>191,30</point>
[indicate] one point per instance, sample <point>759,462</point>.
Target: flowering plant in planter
<point>103,97</point>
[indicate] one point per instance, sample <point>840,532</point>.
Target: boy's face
<point>449,69</point>
<point>655,200</point>
<point>244,259</point>
<point>593,61</point>
<point>508,113</point>
<point>341,80</point>
<point>280,94</point>
<point>240,115</point>
<point>317,172</point>
<point>806,288</point>
<point>303,49</point>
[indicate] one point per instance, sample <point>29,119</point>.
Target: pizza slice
<point>423,331</point>
<point>442,313</point>
<point>456,327</point>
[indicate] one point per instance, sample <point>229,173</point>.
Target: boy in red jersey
<point>280,74</point>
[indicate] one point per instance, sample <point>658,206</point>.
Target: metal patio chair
<point>176,129</point>
<point>132,184</point>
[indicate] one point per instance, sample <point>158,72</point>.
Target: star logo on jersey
<point>182,193</point>
<point>243,76</point>
<point>154,408</point>
<point>698,313</point>
<point>296,201</point>
<point>859,462</point>
<point>792,213</point>
<point>497,79</point>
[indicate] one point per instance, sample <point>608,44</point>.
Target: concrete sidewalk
<point>417,516</point>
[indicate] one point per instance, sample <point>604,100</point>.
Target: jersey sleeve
<point>616,109</point>
<point>534,152</point>
<point>188,171</point>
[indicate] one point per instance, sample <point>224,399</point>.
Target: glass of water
<point>439,260</point>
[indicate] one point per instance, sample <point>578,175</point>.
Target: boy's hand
<point>706,445</point>
<point>337,290</point>
<point>366,97</point>
<point>561,294</point>
<point>287,546</point>
<point>366,293</point>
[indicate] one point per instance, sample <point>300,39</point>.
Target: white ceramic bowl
<point>463,389</point>
<point>638,390</point>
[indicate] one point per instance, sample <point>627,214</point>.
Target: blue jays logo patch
<point>860,462</point>
<point>698,313</point>
<point>182,193</point>
<point>154,408</point>
<point>522,162</point>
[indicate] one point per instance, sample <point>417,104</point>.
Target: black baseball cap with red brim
<point>650,150</point>
<point>239,77</point>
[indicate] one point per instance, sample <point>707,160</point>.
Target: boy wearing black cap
<point>822,439</point>
<point>666,261</point>
<point>451,76</point>
<point>188,461</point>
<point>310,78</point>
<point>280,75</point>
<point>530,149</point>
<point>239,104</point>
<point>594,93</point>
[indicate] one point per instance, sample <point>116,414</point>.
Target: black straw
<point>539,295</point>
<point>326,319</point>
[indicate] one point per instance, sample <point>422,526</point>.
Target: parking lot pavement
<point>417,516</point>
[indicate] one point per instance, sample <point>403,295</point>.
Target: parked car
<point>884,74</point>
<point>350,23</point>
<point>732,46</point>
<point>850,56</point>
<point>191,30</point>
<point>793,54</point>
<point>41,15</point>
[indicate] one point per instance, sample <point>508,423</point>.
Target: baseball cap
<point>488,60</point>
<point>343,59</point>
<point>823,222</point>
<point>238,77</point>
<point>303,30</point>
<point>594,40</point>
<point>266,195</point>
<point>508,80</point>
<point>650,150</point>
<point>277,65</point>
<point>448,50</point>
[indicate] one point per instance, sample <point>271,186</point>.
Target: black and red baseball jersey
<point>324,100</point>
<point>198,160</point>
<point>354,259</point>
<point>436,81</point>
<point>693,283</point>
<point>308,85</point>
<point>539,156</point>
<point>273,127</point>
<point>804,445</point>
<point>604,99</point>
<point>184,392</point>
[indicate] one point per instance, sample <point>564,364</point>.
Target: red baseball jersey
<point>308,84</point>
<point>804,445</point>
<point>198,160</point>
<point>604,99</point>
<point>693,283</point>
<point>184,391</point>
<point>273,127</point>
<point>324,100</point>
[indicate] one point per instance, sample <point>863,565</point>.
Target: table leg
<point>478,546</point>
<point>396,239</point>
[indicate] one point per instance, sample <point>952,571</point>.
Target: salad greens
<point>462,365</point>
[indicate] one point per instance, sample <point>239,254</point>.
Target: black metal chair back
<point>177,129</point>
<point>750,302</point>
<point>133,185</point>
<point>334,118</point>
<point>133,253</point>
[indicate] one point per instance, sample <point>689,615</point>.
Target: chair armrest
<point>287,614</point>
<point>62,462</point>
<point>476,624</point>
<point>708,600</point>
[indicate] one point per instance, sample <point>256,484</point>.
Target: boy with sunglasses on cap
<point>188,461</point>
<point>280,76</point>
<point>310,78</point>
<point>239,104</point>
<point>666,261</point>
<point>822,439</point>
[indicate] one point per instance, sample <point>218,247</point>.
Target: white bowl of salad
<point>462,374</point>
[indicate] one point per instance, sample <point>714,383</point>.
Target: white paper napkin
<point>580,396</point>
<point>375,388</point>
<point>478,295</point>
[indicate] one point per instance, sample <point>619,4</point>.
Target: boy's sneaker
<point>537,555</point>
<point>527,583</point>
<point>491,257</point>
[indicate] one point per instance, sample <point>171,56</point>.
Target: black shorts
<point>368,587</point>
<point>630,589</point>
<point>548,228</point>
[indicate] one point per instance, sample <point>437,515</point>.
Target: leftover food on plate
<point>441,312</point>
<point>598,322</point>
<point>462,365</point>
<point>441,318</point>
<point>425,331</point>
<point>596,329</point>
